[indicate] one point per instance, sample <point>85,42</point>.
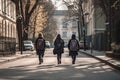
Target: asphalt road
<point>86,68</point>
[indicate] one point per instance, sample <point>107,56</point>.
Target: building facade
<point>65,26</point>
<point>7,27</point>
<point>95,25</point>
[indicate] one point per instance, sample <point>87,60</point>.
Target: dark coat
<point>37,50</point>
<point>58,49</point>
<point>73,52</point>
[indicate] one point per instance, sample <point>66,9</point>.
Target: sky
<point>59,5</point>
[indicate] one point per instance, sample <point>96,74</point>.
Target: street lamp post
<point>84,38</point>
<point>21,38</point>
<point>78,30</point>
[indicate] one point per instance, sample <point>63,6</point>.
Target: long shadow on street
<point>84,69</point>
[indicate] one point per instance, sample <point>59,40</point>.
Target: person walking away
<point>40,47</point>
<point>58,48</point>
<point>73,46</point>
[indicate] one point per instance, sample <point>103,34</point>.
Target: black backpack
<point>73,45</point>
<point>40,44</point>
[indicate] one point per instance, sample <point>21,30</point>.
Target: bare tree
<point>42,21</point>
<point>50,29</point>
<point>29,10</point>
<point>24,10</point>
<point>76,9</point>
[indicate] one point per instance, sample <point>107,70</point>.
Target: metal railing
<point>7,46</point>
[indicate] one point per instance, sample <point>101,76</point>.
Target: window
<point>8,7</point>
<point>64,34</point>
<point>74,24</point>
<point>14,31</point>
<point>3,28</point>
<point>11,30</point>
<point>3,5</point>
<point>8,30</point>
<point>74,33</point>
<point>64,25</point>
<point>11,9</point>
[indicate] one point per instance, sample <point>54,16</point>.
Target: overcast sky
<point>59,5</point>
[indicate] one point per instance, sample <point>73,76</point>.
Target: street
<point>86,68</point>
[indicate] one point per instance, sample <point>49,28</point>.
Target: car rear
<point>28,45</point>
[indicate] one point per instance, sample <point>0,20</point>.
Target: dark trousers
<point>40,56</point>
<point>73,55</point>
<point>73,58</point>
<point>59,58</point>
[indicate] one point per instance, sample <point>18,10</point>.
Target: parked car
<point>47,43</point>
<point>81,43</point>
<point>28,45</point>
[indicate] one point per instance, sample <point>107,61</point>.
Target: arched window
<point>8,7</point>
<point>12,10</point>
<point>3,6</point>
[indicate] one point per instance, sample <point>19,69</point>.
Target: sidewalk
<point>18,55</point>
<point>100,55</point>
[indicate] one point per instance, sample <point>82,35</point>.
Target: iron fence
<point>7,46</point>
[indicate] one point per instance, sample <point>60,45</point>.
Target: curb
<point>10,60</point>
<point>104,61</point>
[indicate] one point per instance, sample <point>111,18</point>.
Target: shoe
<point>59,62</point>
<point>73,62</point>
<point>39,62</point>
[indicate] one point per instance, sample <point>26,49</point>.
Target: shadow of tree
<point>86,71</point>
<point>83,70</point>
